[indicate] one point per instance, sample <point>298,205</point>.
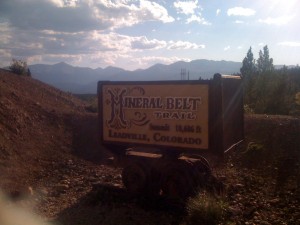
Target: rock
<point>61,187</point>
<point>30,190</point>
<point>66,181</point>
<point>96,184</point>
<point>235,210</point>
<point>274,201</point>
<point>239,185</point>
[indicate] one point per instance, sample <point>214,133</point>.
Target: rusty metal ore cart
<point>164,133</point>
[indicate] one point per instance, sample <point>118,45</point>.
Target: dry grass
<point>205,209</point>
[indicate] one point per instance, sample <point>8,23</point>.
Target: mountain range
<point>83,80</point>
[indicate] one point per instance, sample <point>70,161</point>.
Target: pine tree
<point>248,71</point>
<point>248,67</point>
<point>264,62</point>
<point>267,90</point>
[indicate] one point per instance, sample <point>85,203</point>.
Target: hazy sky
<point>137,34</point>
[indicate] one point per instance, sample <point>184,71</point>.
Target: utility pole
<point>183,74</point>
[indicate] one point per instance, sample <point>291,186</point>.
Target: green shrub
<point>205,209</point>
<point>19,67</point>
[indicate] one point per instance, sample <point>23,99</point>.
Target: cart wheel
<point>176,182</point>
<point>134,177</point>
<point>203,171</point>
<point>205,165</point>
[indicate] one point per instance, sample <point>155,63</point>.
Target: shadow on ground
<point>106,204</point>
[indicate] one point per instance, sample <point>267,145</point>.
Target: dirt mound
<point>38,127</point>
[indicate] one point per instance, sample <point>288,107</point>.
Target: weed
<point>254,154</point>
<point>205,209</point>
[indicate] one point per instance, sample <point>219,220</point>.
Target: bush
<point>20,67</point>
<point>205,209</point>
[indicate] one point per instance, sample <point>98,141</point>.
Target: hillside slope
<point>37,125</point>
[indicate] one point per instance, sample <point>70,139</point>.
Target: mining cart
<point>165,134</point>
